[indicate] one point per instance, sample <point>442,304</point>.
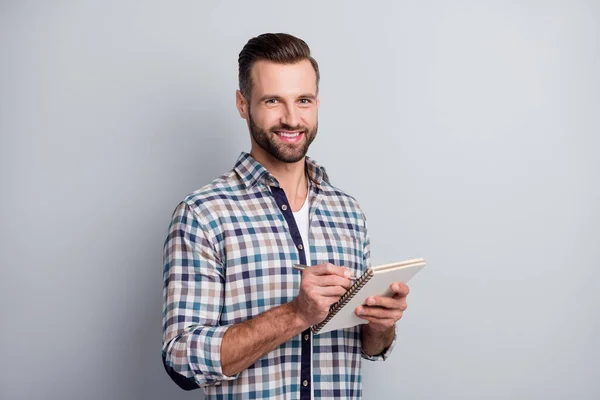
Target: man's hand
<point>321,286</point>
<point>383,312</point>
<point>245,342</point>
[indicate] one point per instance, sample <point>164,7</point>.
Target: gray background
<point>468,130</point>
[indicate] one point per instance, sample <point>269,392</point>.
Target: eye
<point>305,101</point>
<point>271,101</point>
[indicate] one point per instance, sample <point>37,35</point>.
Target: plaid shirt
<point>228,258</point>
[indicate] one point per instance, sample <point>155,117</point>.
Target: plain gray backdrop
<point>468,131</point>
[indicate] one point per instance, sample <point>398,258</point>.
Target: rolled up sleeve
<point>193,285</point>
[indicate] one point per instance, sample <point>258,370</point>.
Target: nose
<point>290,116</point>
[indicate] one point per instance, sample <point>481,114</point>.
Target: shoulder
<point>337,197</point>
<point>207,202</point>
<point>345,211</point>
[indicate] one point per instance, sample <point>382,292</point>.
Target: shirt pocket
<point>341,247</point>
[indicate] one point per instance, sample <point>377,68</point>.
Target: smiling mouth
<point>286,134</point>
<point>290,137</point>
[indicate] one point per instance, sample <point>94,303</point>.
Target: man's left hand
<point>383,312</point>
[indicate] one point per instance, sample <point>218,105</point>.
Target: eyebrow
<point>303,96</point>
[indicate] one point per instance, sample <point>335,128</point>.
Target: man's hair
<point>280,48</point>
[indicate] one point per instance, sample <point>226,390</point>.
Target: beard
<point>284,152</point>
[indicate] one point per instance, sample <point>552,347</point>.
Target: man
<point>236,315</point>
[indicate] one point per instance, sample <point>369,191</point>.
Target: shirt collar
<point>251,171</point>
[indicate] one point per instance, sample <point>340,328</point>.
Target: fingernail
<point>347,273</point>
<point>359,310</point>
<point>370,301</point>
<point>395,287</point>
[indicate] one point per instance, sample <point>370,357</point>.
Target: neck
<point>291,176</point>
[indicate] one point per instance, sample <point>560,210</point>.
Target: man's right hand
<point>321,286</point>
<point>245,342</point>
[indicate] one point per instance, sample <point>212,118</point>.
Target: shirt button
<point>300,246</point>
<point>306,337</point>
<point>305,383</point>
<point>284,207</point>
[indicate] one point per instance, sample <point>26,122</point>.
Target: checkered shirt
<point>228,257</point>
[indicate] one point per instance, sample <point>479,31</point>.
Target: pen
<point>301,267</point>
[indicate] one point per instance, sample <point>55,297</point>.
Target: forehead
<point>283,79</point>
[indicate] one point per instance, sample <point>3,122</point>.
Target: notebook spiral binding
<point>337,306</point>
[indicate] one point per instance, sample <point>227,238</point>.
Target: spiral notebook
<point>375,281</point>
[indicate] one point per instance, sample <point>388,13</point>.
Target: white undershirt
<point>302,220</point>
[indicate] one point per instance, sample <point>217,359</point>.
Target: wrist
<point>298,320</point>
<point>379,332</point>
<point>376,341</point>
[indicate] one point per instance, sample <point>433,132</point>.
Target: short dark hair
<point>280,48</point>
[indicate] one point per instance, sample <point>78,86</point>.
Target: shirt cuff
<point>204,355</point>
<point>385,354</point>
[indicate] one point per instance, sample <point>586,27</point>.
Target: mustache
<point>286,127</point>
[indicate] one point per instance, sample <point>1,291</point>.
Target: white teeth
<point>289,135</point>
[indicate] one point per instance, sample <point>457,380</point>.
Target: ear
<point>241,104</point>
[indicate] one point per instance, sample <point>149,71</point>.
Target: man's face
<point>282,114</point>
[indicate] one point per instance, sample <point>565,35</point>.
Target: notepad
<point>375,281</point>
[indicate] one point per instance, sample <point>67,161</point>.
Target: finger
<point>327,280</point>
<point>329,269</point>
<point>330,291</point>
<point>332,280</point>
<point>400,289</point>
<point>378,312</point>
<point>387,302</point>
<point>380,323</point>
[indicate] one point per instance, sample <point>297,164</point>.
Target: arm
<point>246,342</point>
<point>195,347</point>
<point>193,283</point>
<point>376,342</point>
<point>379,335</point>
<point>382,313</point>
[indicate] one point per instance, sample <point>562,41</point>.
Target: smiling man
<point>236,315</point>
